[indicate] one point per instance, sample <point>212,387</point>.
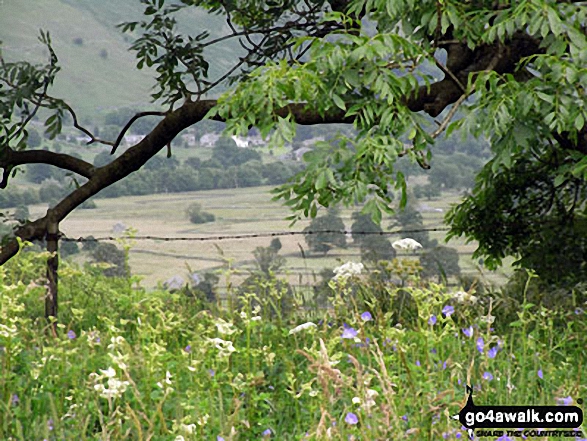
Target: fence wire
<point>250,236</point>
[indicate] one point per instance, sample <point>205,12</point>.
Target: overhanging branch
<point>11,158</point>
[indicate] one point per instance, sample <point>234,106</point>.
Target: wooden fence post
<point>52,266</point>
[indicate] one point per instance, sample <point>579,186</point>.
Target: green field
<point>237,211</point>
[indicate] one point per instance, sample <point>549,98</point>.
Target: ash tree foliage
<point>402,72</point>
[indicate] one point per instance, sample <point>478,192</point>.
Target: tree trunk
<point>52,266</point>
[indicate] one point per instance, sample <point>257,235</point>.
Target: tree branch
<point>11,158</point>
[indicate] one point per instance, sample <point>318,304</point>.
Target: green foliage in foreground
<point>131,364</point>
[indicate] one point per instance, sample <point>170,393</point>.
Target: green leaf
<point>579,121</point>
<point>338,101</point>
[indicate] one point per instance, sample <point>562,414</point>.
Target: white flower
<point>370,395</point>
<point>356,400</point>
<point>464,297</point>
<point>110,372</point>
<point>348,269</point>
<point>115,387</point>
<point>406,244</point>
<point>224,347</point>
<point>116,341</point>
<point>188,428</point>
<point>302,327</point>
<point>225,327</point>
<point>202,421</point>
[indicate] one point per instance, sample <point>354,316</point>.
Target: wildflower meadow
<point>131,364</point>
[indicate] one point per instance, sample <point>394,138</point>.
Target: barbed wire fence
<point>290,271</point>
<point>249,235</point>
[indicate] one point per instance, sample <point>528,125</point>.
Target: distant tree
<point>102,159</point>
<point>37,173</point>
<point>374,247</point>
<point>275,244</point>
<point>445,175</point>
<point>324,242</point>
<point>228,153</point>
<point>268,260</point>
<point>428,191</point>
<point>160,162</point>
<point>103,53</point>
<point>21,212</point>
<point>248,177</point>
<point>276,173</point>
<point>78,41</point>
<point>34,139</point>
<point>410,219</point>
<point>193,162</point>
<point>441,262</point>
<point>205,287</point>
<point>68,248</point>
<point>110,254</point>
<point>90,244</point>
<point>51,191</point>
<point>197,216</point>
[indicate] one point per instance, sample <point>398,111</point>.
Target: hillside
<point>98,71</point>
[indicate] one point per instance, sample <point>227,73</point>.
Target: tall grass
<point>132,364</point>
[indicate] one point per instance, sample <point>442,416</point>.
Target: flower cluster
<point>464,297</point>
<point>406,244</point>
<point>114,387</point>
<point>347,270</point>
<point>225,347</point>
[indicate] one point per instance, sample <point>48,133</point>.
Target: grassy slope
<point>92,84</point>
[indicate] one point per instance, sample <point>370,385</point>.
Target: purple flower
<point>567,401</point>
<point>188,349</point>
<point>267,432</point>
<point>433,351</point>
<point>349,332</point>
<point>468,332</point>
<point>366,316</point>
<point>444,365</point>
<point>487,376</point>
<point>211,372</point>
<point>480,344</point>
<point>492,352</point>
<point>458,435</point>
<point>504,437</point>
<point>432,320</point>
<point>219,438</point>
<point>448,310</point>
<point>540,374</point>
<point>417,362</point>
<point>579,311</point>
<point>50,425</point>
<point>405,417</point>
<point>351,418</point>
<point>15,400</point>
<point>71,335</point>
